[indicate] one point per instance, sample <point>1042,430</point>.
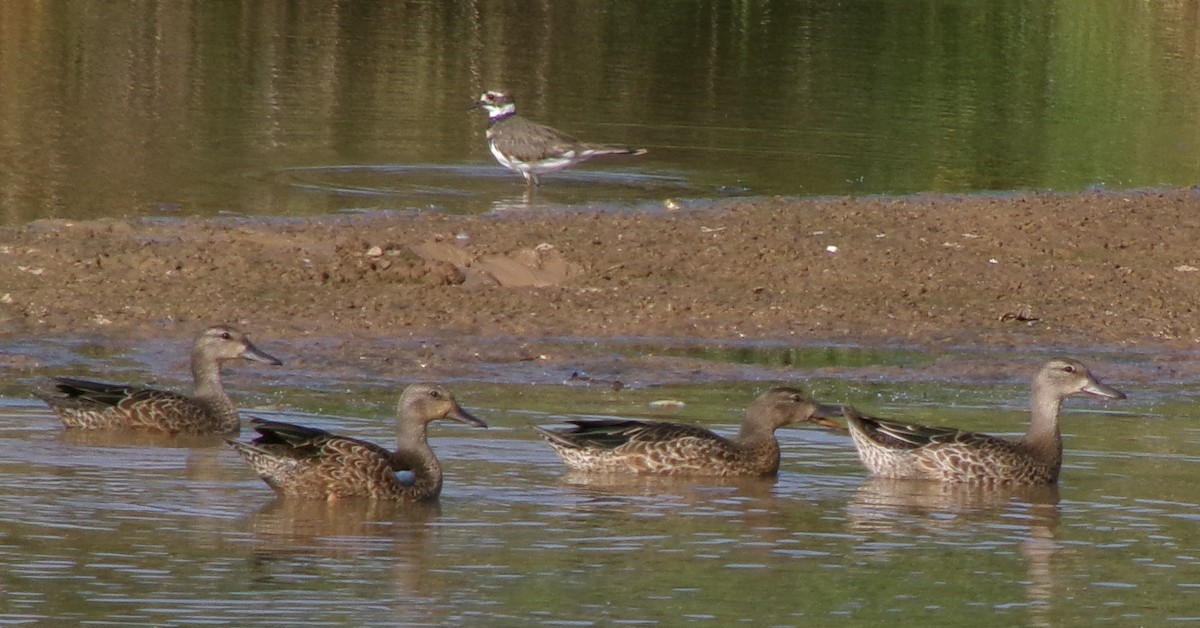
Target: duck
<point>88,405</point>
<point>664,448</point>
<point>310,463</point>
<point>897,450</point>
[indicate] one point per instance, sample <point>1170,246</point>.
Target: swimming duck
<point>87,404</point>
<point>656,447</point>
<point>298,461</point>
<point>891,449</point>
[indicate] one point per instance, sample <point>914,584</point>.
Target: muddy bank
<point>1027,270</point>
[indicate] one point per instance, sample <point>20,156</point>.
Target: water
<point>284,108</point>
<point>165,109</point>
<point>139,530</point>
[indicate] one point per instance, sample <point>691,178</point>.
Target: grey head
<point>790,405</point>
<point>425,403</point>
<point>1066,376</point>
<point>220,343</point>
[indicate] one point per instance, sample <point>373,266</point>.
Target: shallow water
<point>117,529</point>
<point>167,109</point>
<point>280,108</point>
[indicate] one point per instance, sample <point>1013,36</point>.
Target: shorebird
<point>534,149</point>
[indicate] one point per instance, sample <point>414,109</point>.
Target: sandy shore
<point>1113,269</point>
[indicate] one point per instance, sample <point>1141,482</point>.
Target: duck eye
<point>1069,369</point>
<point>435,394</point>
<point>225,335</point>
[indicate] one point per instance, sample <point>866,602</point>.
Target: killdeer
<point>533,149</point>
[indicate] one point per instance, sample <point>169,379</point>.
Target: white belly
<point>541,166</point>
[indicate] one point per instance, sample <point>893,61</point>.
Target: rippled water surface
<point>282,108</point>
<point>128,530</point>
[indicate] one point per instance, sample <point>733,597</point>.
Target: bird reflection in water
<point>292,536</point>
<point>916,509</point>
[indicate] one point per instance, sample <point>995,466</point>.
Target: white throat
<point>502,111</point>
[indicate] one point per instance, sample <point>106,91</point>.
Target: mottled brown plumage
<point>306,462</point>
<point>891,449</point>
<point>652,447</point>
<point>86,404</point>
<point>533,149</point>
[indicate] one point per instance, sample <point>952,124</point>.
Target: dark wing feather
<point>300,442</point>
<point>84,393</point>
<point>613,433</point>
<point>287,434</point>
<point>101,393</point>
<point>909,435</point>
<point>528,141</point>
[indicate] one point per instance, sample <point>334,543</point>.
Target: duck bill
<point>825,415</point>
<point>828,411</point>
<point>462,416</point>
<point>253,353</point>
<point>828,423</point>
<point>1101,390</point>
